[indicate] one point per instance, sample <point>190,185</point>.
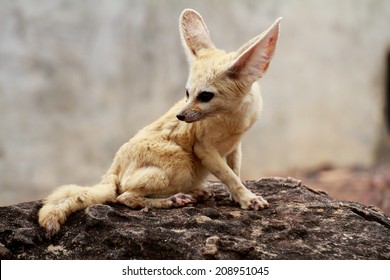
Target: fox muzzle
<point>189,116</point>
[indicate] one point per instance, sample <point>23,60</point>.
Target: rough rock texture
<point>369,186</point>
<point>299,224</point>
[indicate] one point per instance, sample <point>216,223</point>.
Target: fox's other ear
<point>253,58</point>
<point>194,33</point>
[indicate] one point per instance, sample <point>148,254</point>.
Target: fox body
<point>165,164</point>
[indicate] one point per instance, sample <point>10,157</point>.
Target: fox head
<point>218,82</point>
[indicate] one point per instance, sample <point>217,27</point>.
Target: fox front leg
<point>212,160</point>
<point>234,160</point>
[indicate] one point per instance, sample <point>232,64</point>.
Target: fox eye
<point>187,94</point>
<point>205,96</point>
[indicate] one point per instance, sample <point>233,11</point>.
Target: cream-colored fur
<point>165,164</point>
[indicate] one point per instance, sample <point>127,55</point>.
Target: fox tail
<point>70,198</point>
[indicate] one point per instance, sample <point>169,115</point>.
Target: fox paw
<point>255,203</point>
<point>201,194</point>
<point>181,199</point>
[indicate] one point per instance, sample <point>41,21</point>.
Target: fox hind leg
<point>134,201</point>
<point>139,190</point>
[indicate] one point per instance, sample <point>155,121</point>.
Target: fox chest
<point>225,136</point>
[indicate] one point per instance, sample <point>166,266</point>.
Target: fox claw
<point>258,203</point>
<point>255,203</point>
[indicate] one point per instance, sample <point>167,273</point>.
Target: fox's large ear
<point>194,33</point>
<point>253,58</point>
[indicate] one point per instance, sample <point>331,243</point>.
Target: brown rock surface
<point>369,186</point>
<point>299,224</point>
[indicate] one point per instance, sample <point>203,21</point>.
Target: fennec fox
<point>165,164</point>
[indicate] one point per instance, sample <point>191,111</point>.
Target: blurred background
<point>79,78</point>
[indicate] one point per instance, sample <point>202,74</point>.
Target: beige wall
<point>78,78</point>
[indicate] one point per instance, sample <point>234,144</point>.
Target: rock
<point>299,224</point>
<point>367,185</point>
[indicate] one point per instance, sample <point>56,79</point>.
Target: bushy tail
<point>70,198</point>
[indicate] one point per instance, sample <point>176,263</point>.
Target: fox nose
<point>180,117</point>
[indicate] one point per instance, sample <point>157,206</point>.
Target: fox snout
<point>189,115</point>
<point>180,117</point>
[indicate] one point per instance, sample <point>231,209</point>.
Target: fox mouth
<point>191,121</point>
